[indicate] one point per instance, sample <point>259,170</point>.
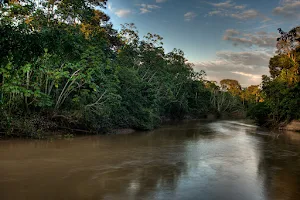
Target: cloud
<point>226,4</point>
<point>259,39</point>
<point>274,25</point>
<point>245,58</point>
<point>123,13</point>
<point>160,1</point>
<point>247,14</point>
<point>239,12</point>
<point>246,67</point>
<point>288,9</point>
<point>215,12</point>
<point>248,75</point>
<point>286,1</point>
<point>119,12</point>
<point>240,7</point>
<point>189,16</point>
<point>109,6</point>
<point>232,32</point>
<point>147,8</point>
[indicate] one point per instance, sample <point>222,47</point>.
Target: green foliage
<point>231,86</point>
<point>281,91</point>
<point>259,112</point>
<point>226,103</point>
<point>62,62</point>
<point>278,63</point>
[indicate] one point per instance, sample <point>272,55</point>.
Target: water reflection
<point>191,160</point>
<point>280,165</point>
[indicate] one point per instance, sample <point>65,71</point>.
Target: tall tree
<point>232,86</point>
<point>288,42</point>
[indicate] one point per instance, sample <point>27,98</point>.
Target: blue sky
<point>228,39</point>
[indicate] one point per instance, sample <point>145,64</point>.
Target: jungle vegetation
<point>64,66</point>
<point>280,92</point>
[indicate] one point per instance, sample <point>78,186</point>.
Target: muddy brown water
<point>191,160</point>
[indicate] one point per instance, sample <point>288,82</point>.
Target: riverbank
<point>292,126</point>
<point>43,129</point>
<point>38,127</point>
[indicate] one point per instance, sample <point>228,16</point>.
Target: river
<point>189,160</point>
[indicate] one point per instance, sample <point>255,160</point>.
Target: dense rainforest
<point>280,92</point>
<point>64,67</point>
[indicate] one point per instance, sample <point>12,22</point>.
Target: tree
<point>212,85</point>
<point>278,63</point>
<point>63,61</point>
<point>280,90</point>
<point>252,94</point>
<point>288,42</point>
<point>232,86</point>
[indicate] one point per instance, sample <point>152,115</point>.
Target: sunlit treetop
<point>288,41</point>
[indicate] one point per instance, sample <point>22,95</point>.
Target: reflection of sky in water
<point>223,165</point>
<point>191,160</point>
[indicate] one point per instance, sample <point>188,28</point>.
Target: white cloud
<point>240,7</point>
<point>274,25</point>
<point>248,75</point>
<point>119,12</point>
<point>259,39</point>
<point>288,9</point>
<point>109,6</point>
<point>254,58</point>
<point>147,8</point>
<point>123,13</point>
<point>246,67</point>
<point>189,16</point>
<point>231,32</point>
<point>230,9</point>
<point>226,4</point>
<point>215,12</point>
<point>144,10</point>
<point>247,14</point>
<point>160,1</point>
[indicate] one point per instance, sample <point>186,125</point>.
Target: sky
<point>231,39</point>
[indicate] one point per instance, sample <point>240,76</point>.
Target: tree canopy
<point>63,63</point>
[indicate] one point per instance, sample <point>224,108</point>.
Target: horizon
<point>226,39</point>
